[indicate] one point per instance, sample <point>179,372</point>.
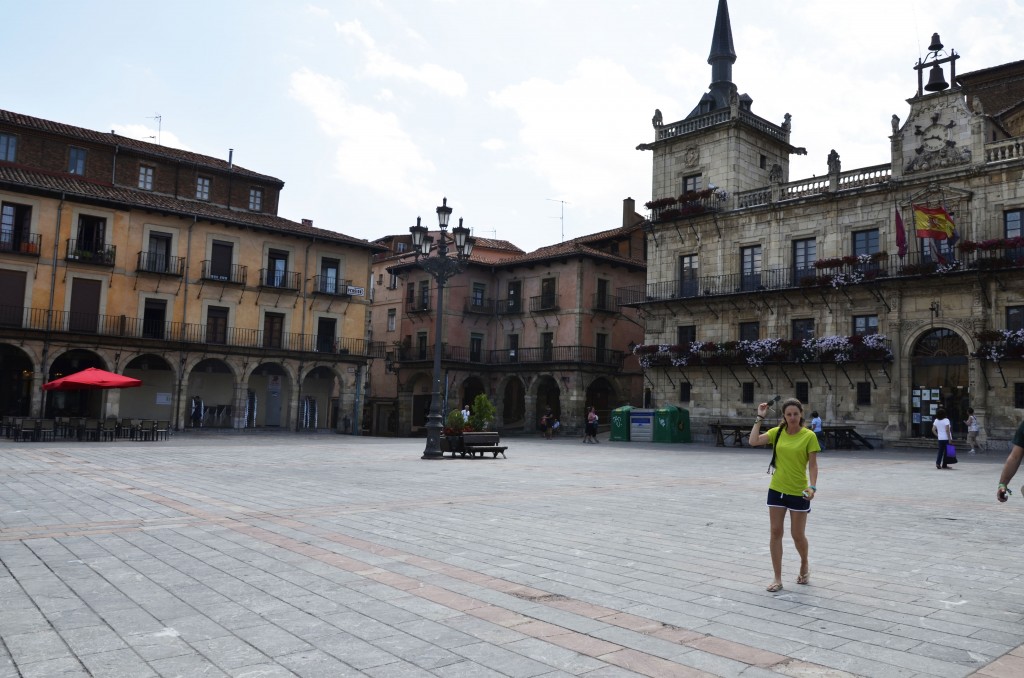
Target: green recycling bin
<point>620,423</point>
<point>672,425</point>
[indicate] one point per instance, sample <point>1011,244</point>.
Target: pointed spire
<point>721,42</point>
<point>722,57</point>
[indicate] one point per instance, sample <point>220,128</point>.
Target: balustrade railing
<point>481,306</point>
<point>914,264</point>
<point>72,322</point>
<point>1008,149</point>
<point>285,280</point>
<point>590,355</point>
<point>509,306</point>
<point>545,302</point>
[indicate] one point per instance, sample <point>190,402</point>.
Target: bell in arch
<point>936,80</point>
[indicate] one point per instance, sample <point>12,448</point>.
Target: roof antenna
<point>562,217</point>
<point>159,122</point>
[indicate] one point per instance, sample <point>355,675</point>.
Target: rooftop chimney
<point>307,222</point>
<point>231,155</point>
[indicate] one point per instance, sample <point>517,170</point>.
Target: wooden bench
<point>735,433</point>
<point>474,442</point>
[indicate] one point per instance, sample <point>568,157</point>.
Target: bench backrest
<point>480,438</point>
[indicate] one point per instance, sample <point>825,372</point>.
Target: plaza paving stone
<point>230,554</point>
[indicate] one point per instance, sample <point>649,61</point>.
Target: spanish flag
<point>933,222</point>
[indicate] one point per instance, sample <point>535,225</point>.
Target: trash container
<point>620,423</point>
<point>641,426</point>
<point>672,425</point>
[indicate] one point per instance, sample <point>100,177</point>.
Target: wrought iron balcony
<point>90,252</point>
<point>480,306</point>
<point>151,262</point>
<point>543,303</point>
<point>417,305</point>
<point>235,273</point>
<point>15,243</point>
<point>330,285</point>
<point>605,302</point>
<point>120,328</point>
<point>585,355</point>
<point>282,280</point>
<point>847,271</point>
<point>511,306</point>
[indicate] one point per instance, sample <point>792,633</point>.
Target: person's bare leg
<point>777,519</point>
<point>797,529</point>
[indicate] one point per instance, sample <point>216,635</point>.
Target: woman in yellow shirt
<point>794,456</point>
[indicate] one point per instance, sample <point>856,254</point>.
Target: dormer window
<point>76,160</point>
<point>146,177</point>
<point>202,188</point>
<point>256,199</point>
<point>8,147</point>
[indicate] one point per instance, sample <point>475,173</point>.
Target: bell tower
<point>721,143</point>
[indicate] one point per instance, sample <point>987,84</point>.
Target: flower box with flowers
<point>998,345</point>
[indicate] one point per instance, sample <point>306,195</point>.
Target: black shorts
<point>793,502</point>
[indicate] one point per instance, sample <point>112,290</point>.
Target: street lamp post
<point>441,268</point>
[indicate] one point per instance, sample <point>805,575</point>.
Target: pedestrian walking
<point>794,458</point>
<point>590,427</point>
<point>815,426</point>
<point>941,430</point>
<point>972,429</point>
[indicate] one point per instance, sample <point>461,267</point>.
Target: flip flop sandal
<point>804,578</point>
<point>773,588</point>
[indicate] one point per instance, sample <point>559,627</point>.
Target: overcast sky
<point>371,111</point>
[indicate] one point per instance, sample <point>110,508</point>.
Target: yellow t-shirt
<point>791,457</point>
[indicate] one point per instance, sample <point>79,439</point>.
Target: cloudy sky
<point>524,113</point>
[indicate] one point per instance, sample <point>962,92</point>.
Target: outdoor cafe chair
<point>162,428</point>
<point>47,429</point>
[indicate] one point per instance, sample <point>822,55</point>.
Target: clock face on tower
<point>933,137</point>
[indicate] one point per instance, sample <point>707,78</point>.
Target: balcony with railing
<point>544,303</point>
<point>421,305</point>
<point>282,280</point>
<point>121,327</point>
<point>584,355</point>
<point>478,306</point>
<point>604,303</point>
<point>90,252</point>
<point>330,286</point>
<point>15,243</point>
<point>511,306</point>
<point>839,350</point>
<point>235,273</point>
<point>843,272</point>
<point>152,262</point>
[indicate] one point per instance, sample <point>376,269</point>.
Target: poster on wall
<point>917,417</point>
<point>933,408</point>
<point>917,401</point>
<point>163,398</point>
<point>935,394</point>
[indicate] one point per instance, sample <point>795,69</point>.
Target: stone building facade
<point>174,268</point>
<point>758,285</point>
<point>531,330</point>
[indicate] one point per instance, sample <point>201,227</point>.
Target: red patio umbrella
<point>91,378</point>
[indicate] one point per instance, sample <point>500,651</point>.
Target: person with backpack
<point>794,458</point>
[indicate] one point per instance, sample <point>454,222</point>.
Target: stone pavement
<point>282,555</point>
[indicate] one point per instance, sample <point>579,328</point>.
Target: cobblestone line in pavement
<point>625,657</point>
<point>166,560</point>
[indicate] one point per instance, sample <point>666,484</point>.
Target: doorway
<point>939,378</point>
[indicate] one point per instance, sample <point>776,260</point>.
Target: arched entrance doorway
<point>548,396</point>
<point>15,381</point>
<point>318,406</point>
<point>85,403</point>
<point>268,396</point>
<point>209,394</point>
<point>939,378</point>
<point>513,407</point>
<point>601,395</point>
<point>154,399</point>
<point>471,388</point>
